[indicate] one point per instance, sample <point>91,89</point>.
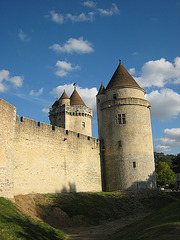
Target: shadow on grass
<point>24,228</point>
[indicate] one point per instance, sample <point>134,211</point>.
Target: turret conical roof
<point>122,78</point>
<point>101,89</point>
<point>64,96</point>
<point>75,99</point>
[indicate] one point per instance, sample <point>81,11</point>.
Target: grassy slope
<point>16,225</point>
<point>162,224</point>
<point>97,207</point>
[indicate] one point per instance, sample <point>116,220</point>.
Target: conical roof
<point>101,90</point>
<point>64,96</point>
<point>75,99</point>
<point>122,78</point>
<point>56,103</point>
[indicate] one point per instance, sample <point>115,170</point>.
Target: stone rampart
<point>46,159</point>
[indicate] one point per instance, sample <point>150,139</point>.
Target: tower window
<point>121,119</point>
<point>134,164</point>
<point>119,144</point>
<point>114,96</point>
<point>83,124</point>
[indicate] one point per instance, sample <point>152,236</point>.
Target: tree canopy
<point>164,174</point>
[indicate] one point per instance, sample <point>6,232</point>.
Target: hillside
<point>131,215</point>
<point>16,225</point>
<point>94,215</point>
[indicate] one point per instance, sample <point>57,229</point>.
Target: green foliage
<point>161,157</point>
<point>176,163</point>
<point>164,175</point>
<point>165,221</point>
<point>16,225</point>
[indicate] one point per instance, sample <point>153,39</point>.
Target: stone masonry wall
<point>7,126</point>
<point>46,159</point>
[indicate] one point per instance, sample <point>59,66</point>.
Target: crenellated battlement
<point>42,158</point>
<point>58,133</point>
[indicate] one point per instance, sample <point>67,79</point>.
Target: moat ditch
<point>92,215</point>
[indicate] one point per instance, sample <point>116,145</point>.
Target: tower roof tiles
<point>122,78</point>
<point>64,96</point>
<point>75,99</point>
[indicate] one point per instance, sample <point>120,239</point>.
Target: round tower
<point>71,114</point>
<point>124,126</point>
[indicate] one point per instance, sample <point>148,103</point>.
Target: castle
<point>64,157</point>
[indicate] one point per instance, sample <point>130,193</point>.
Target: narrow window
<point>78,135</point>
<point>121,119</point>
<point>119,144</point>
<point>114,96</point>
<point>67,132</point>
<point>83,124</point>
<point>53,128</point>
<point>134,164</point>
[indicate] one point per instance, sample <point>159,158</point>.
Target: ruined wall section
<point>7,127</point>
<point>51,159</point>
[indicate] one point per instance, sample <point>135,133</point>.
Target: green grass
<point>16,225</point>
<point>164,221</point>
<point>97,207</point>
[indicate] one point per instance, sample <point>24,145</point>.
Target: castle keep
<point>63,157</point>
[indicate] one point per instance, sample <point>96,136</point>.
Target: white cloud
<point>165,103</point>
<point>45,110</point>
<point>160,72</point>
<point>5,78</point>
<point>90,4</point>
<point>23,36</point>
<point>63,68</point>
<point>81,17</point>
<point>109,12</point>
<point>132,70</point>
<point>38,93</point>
<point>170,139</point>
<point>55,17</point>
<point>73,45</point>
<point>17,81</point>
<point>161,148</point>
<point>87,95</point>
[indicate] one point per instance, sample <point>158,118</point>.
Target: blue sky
<point>47,45</point>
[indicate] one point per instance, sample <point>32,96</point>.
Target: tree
<point>176,163</point>
<point>161,157</point>
<point>164,174</point>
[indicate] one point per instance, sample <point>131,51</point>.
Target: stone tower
<point>71,114</point>
<point>124,128</point>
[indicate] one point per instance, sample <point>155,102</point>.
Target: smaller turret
<point>71,114</point>
<point>64,99</point>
